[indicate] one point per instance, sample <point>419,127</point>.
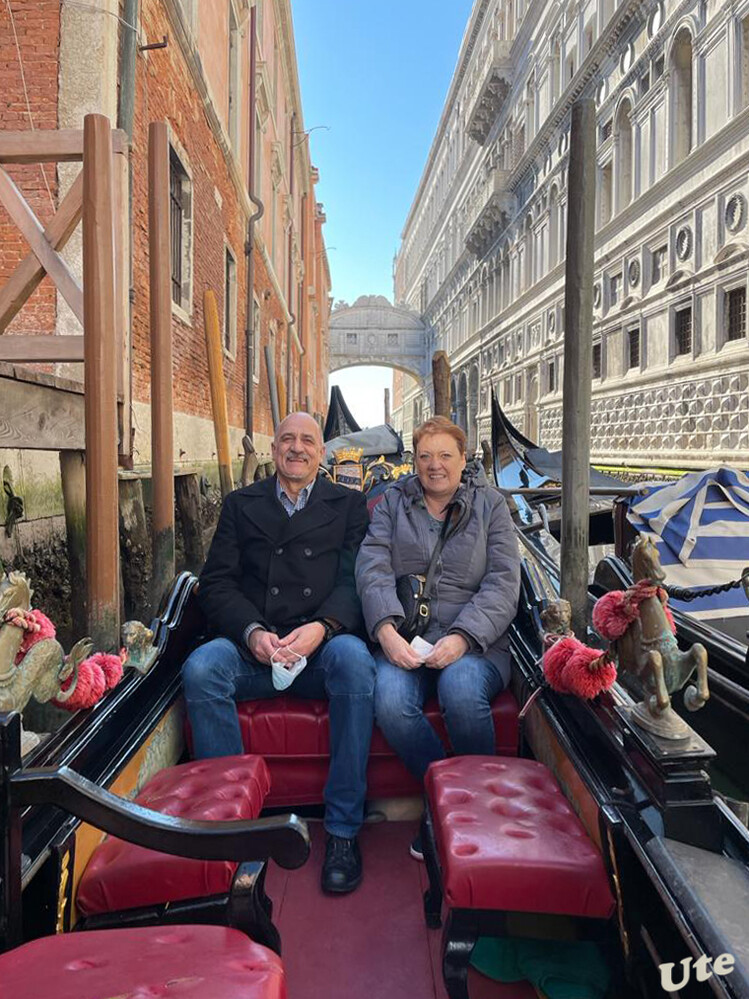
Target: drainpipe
<point>249,312</point>
<point>289,338</point>
<point>127,77</point>
<point>303,402</point>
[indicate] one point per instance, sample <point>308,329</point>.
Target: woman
<point>473,600</point>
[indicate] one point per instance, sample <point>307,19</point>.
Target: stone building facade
<point>482,254</point>
<point>61,61</point>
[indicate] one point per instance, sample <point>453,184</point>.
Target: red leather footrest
<point>508,840</point>
<point>121,875</point>
<point>190,961</point>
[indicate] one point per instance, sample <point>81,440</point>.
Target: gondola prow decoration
<point>639,623</point>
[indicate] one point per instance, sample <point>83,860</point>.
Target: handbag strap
<point>432,567</point>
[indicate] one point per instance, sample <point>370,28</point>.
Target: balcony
<point>490,213</point>
<point>489,92</point>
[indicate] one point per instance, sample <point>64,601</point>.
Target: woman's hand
<point>396,648</point>
<point>446,651</point>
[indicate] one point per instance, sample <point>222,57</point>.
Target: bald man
<point>278,583</point>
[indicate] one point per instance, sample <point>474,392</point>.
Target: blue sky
<point>377,75</point>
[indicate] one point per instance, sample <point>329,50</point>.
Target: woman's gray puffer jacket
<point>478,576</point>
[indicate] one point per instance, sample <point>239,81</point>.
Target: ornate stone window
<point>735,313</point>
<point>683,331</point>
<point>180,227</point>
<point>597,369</point>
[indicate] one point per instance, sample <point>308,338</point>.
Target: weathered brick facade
<point>188,84</point>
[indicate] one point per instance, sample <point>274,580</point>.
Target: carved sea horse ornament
<point>42,670</point>
<point>639,623</point>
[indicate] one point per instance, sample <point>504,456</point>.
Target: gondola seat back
<point>121,875</point>
<point>292,735</point>
<point>190,961</point>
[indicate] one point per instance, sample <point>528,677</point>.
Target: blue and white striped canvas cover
<point>700,525</point>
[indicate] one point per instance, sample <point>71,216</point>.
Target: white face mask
<point>283,675</point>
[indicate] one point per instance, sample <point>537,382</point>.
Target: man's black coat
<point>284,571</point>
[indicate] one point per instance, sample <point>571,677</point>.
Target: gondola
<point>676,858</point>
<point>724,721</point>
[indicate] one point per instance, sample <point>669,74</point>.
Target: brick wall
<point>37,28</point>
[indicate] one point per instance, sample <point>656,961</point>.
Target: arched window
<point>528,254</point>
<point>623,139</point>
<point>681,97</point>
<point>553,227</point>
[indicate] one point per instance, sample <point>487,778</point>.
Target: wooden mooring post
<point>578,362</point>
<point>218,391</point>
<point>441,383</point>
<point>100,375</point>
<point>73,478</point>
<point>162,434</point>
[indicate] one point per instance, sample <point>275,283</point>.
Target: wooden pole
<point>218,390</point>
<point>188,501</point>
<point>137,572</point>
<point>387,405</point>
<point>441,382</point>
<point>162,434</point>
<point>73,476</point>
<point>100,375</point>
<point>578,352</point>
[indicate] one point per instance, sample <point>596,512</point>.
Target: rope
<point>680,593</point>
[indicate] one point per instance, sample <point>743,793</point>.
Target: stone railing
<point>490,91</point>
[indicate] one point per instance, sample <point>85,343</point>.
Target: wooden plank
<point>100,330</point>
<point>73,478</point>
<point>40,417</point>
<point>53,264</point>
<point>40,349</point>
<point>49,145</point>
<point>162,415</point>
<point>27,276</point>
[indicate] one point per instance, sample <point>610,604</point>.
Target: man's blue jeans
<point>219,673</point>
<point>465,689</point>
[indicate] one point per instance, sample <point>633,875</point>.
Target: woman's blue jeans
<point>465,691</point>
<point>218,674</point>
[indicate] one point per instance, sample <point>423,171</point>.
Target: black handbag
<point>414,591</point>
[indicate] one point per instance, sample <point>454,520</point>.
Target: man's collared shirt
<point>288,504</point>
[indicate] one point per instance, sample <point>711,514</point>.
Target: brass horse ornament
<point>44,668</point>
<point>647,650</point>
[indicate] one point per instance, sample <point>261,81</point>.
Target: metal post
<point>162,434</point>
<point>578,350</point>
<point>387,405</point>
<point>100,374</point>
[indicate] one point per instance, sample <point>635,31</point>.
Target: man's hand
<point>396,648</point>
<point>262,644</point>
<point>446,651</point>
<point>303,640</point>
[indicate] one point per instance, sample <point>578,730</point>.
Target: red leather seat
<point>507,839</point>
<point>292,735</point>
<point>192,962</point>
<point>121,875</point>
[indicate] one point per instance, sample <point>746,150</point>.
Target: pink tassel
<point>111,667</point>
<point>91,685</point>
<point>588,672</point>
<point>30,638</point>
<point>555,660</point>
<point>613,614</point>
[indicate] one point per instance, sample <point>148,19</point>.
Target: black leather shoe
<point>342,870</point>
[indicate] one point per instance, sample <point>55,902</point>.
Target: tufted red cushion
<point>191,962</point>
<point>508,839</point>
<point>121,875</point>
<point>293,737</point>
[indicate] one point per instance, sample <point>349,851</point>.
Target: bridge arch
<point>374,332</point>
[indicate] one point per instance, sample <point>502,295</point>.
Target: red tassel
<point>89,688</point>
<point>111,667</point>
<point>613,614</point>
<point>555,660</point>
<point>588,672</point>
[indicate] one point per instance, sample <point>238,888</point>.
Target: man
<point>278,584</point>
